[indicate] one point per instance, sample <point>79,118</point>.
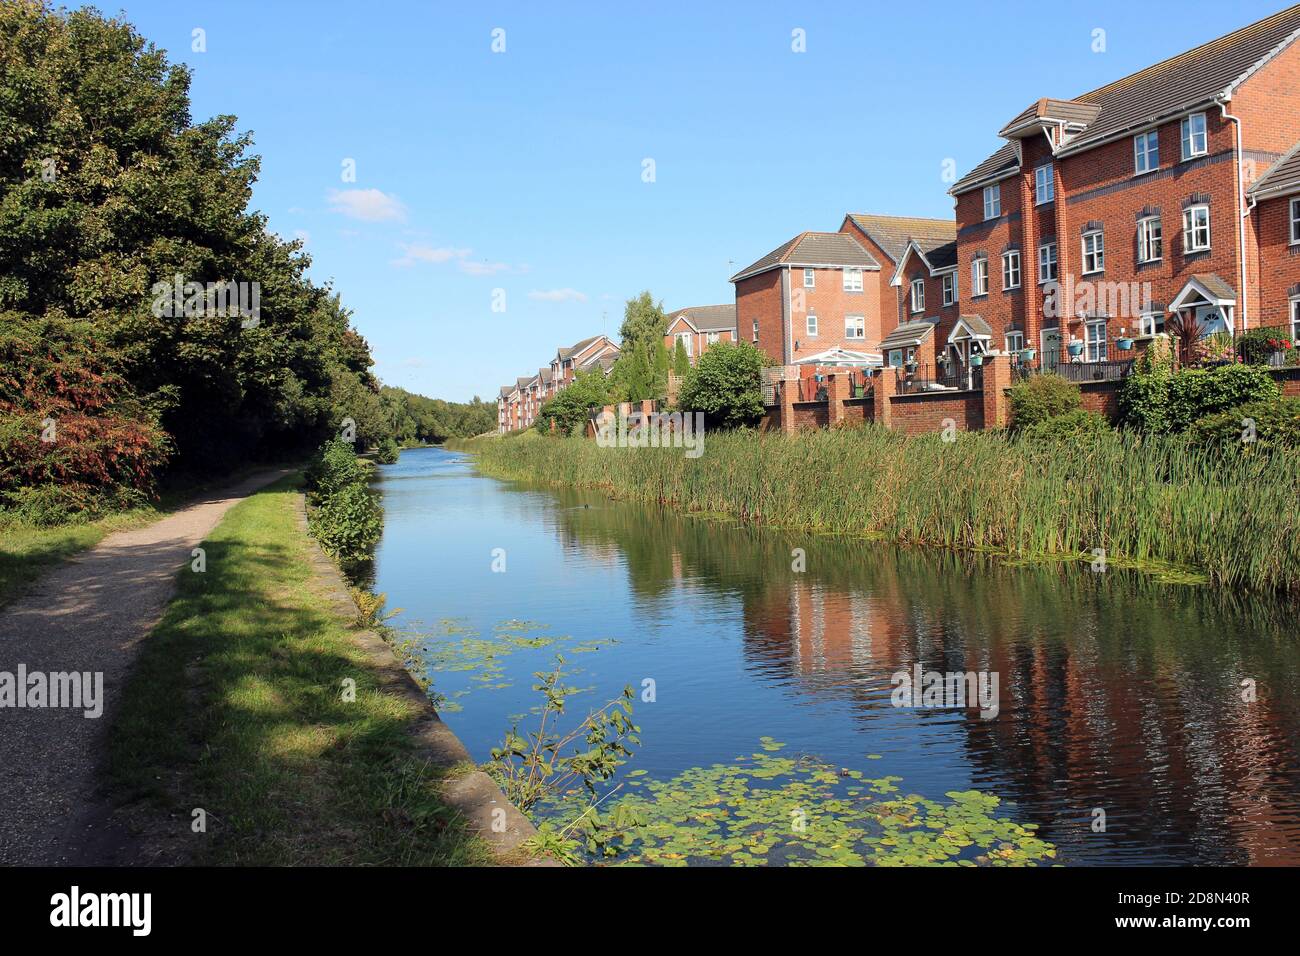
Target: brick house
<point>1275,217</point>
<point>699,327</point>
<point>811,300</point>
<point>891,239</point>
<point>1105,216</point>
<point>584,355</point>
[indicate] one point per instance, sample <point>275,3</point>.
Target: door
<point>1051,353</point>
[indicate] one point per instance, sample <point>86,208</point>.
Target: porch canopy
<point>909,335</point>
<point>1211,299</point>
<point>971,335</point>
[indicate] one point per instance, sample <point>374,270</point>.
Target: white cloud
<point>411,254</point>
<point>369,205</point>
<point>475,268</point>
<point>558,295</point>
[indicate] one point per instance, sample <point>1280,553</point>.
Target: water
<point>1116,693</point>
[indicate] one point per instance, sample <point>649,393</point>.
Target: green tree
<point>642,367</point>
<point>681,361</point>
<point>570,407</point>
<point>726,384</point>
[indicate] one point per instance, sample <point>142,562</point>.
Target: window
<point>756,330</point>
<point>1015,341</point>
<point>855,327</point>
<point>852,280</point>
<point>918,295</point>
<point>1146,152</point>
<point>1151,323</point>
<point>809,279</point>
<point>979,277</point>
<point>1196,229</point>
<point>950,288</point>
<point>714,337</point>
<point>1094,252</point>
<point>1295,319</point>
<point>1047,262</point>
<point>993,201</point>
<point>895,358</point>
<point>1096,341</point>
<point>1011,269</point>
<point>684,340</point>
<point>1195,141</point>
<point>1044,185</point>
<point>812,325</point>
<point>1295,222</point>
<point>1151,246</point>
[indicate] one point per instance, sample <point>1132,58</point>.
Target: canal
<point>1136,722</point>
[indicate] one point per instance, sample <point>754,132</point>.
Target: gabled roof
<point>564,353</point>
<point>1048,112</point>
<point>936,256</point>
<point>1280,179</point>
<point>893,233</point>
<point>1207,286</point>
<point>974,324</point>
<point>706,318</point>
<point>506,390</point>
<point>609,348</point>
<point>813,250</point>
<point>544,374</point>
<point>1159,92</point>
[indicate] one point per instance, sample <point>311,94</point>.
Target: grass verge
<point>235,706</point>
<point>1155,502</point>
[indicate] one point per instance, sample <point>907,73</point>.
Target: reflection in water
<point>1117,693</point>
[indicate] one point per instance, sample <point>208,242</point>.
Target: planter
<point>1028,355</point>
<point>1124,345</point>
<point>1076,348</point>
<point>976,360</point>
<point>1277,359</point>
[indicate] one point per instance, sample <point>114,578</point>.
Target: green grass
<point>235,707</point>
<point>1154,502</point>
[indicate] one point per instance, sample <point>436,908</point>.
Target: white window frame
<point>852,280</point>
<point>1095,349</point>
<point>1295,222</point>
<point>756,330</point>
<point>1147,323</point>
<point>1192,229</point>
<point>1295,318</point>
<point>1151,238</point>
<point>950,288</point>
<point>1097,254</point>
<point>854,323</point>
<point>685,337</point>
<point>810,325</point>
<point>895,358</point>
<point>1011,270</point>
<point>1015,342</point>
<point>1047,263</point>
<point>1044,184</point>
<point>1146,152</point>
<point>1195,143</point>
<point>979,277</point>
<point>809,279</point>
<point>993,201</point>
<point>918,295</point>
<point>713,338</point>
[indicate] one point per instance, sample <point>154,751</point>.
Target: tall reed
<point>1158,500</point>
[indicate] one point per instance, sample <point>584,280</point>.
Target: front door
<point>1051,356</point>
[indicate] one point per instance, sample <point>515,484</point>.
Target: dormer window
<point>918,295</point>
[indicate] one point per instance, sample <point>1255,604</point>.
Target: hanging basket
<point>1076,348</point>
<point>1124,345</point>
<point>977,360</point>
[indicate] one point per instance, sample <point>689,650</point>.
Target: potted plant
<point>1075,347</point>
<point>1124,343</point>
<point>1028,355</point>
<point>977,358</point>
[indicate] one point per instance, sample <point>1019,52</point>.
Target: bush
<point>1164,402</point>
<point>1041,397</point>
<point>332,469</point>
<point>388,452</point>
<point>348,523</point>
<point>726,384</point>
<point>48,505</point>
<point>1078,425</point>
<point>1256,345</point>
<point>1276,424</point>
<point>569,408</point>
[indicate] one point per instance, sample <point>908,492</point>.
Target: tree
<point>642,367</point>
<point>726,384</point>
<point>570,407</point>
<point>681,361</point>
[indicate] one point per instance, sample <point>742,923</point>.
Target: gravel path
<point>88,615</point>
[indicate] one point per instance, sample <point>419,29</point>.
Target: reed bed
<point>1154,501</point>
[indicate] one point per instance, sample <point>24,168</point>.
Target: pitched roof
<point>812,249</point>
<point>576,347</point>
<point>892,233</point>
<point>1280,179</point>
<point>707,318</point>
<point>907,335</point>
<point>1163,90</point>
<point>506,390</point>
<point>544,374</point>
<point>1049,111</point>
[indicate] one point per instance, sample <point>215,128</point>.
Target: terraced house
<point>518,405</point>
<point>1164,197</point>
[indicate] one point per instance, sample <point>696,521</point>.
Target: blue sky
<point>523,170</point>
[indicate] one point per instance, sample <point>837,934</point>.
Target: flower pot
<point>1028,355</point>
<point>1124,345</point>
<point>977,360</point>
<point>1076,348</point>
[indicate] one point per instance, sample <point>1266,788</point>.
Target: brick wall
<point>1100,397</point>
<point>1279,261</point>
<point>924,414</point>
<point>830,303</point>
<point>758,299</point>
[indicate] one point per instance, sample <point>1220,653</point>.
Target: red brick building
<point>1275,219</point>
<point>817,295</point>
<point>892,240</point>
<point>699,327</point>
<point>1108,215</point>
